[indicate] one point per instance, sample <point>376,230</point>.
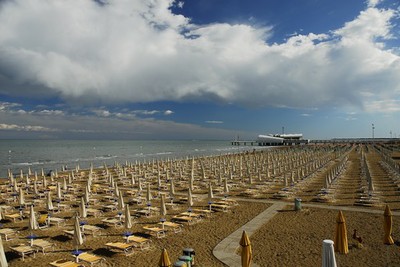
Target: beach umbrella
<point>328,254</point>
<point>70,178</point>
<point>341,243</point>
<point>15,186</point>
<point>65,186</point>
<point>128,218</point>
<point>121,204</point>
<point>246,254</point>
<point>116,190</point>
<point>35,189</point>
<point>133,180</point>
<point>82,208</point>
<point>1,213</point>
<point>387,226</point>
<point>3,259</point>
<point>210,192</point>
<point>190,197</point>
<point>226,188</point>
<point>44,182</point>
<point>59,196</point>
<point>87,197</point>
<point>49,201</point>
<point>33,224</point>
<point>164,259</point>
<point>172,188</point>
<point>77,239</point>
<point>148,193</point>
<point>139,185</point>
<point>21,200</point>
<point>163,208</point>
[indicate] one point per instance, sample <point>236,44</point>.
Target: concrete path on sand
<point>225,251</point>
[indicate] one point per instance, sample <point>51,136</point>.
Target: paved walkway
<point>226,250</point>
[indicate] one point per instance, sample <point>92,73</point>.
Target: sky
<point>203,69</point>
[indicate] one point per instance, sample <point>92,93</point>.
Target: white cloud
<point>168,112</point>
<point>383,106</point>
<point>138,51</point>
<point>26,128</point>
<point>373,3</point>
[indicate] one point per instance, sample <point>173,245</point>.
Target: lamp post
<point>373,131</point>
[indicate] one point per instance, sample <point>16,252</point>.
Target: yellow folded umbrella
<point>341,244</point>
<point>164,259</point>
<point>246,250</point>
<point>387,226</point>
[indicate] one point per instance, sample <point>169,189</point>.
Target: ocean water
<point>18,155</point>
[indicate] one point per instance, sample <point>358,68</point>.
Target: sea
<point>51,155</point>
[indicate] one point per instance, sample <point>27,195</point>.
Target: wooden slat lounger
<point>90,258</point>
<point>65,263</point>
<point>142,242</point>
<point>23,250</point>
<point>155,231</point>
<point>121,247</point>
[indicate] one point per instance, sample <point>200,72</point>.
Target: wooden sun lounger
<point>112,222</point>
<point>89,258</point>
<point>155,231</point>
<point>94,212</point>
<point>176,227</point>
<point>42,245</point>
<point>8,233</point>
<point>142,242</point>
<point>119,246</point>
<point>13,216</point>
<point>23,250</point>
<point>65,263</point>
<point>185,219</point>
<point>91,229</point>
<point>56,220</point>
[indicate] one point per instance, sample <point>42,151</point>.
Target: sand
<point>289,239</point>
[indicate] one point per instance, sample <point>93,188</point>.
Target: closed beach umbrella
<point>164,259</point>
<point>35,189</point>
<point>59,196</point>
<point>21,201</point>
<point>65,186</point>
<point>246,254</point>
<point>33,225</point>
<point>190,197</point>
<point>387,226</point>
<point>139,185</point>
<point>341,244</point>
<point>87,197</point>
<point>49,201</point>
<point>210,193</point>
<point>128,218</point>
<point>328,254</point>
<point>1,213</point>
<point>163,208</point>
<point>226,188</point>
<point>132,180</point>
<point>172,188</point>
<point>148,194</point>
<point>78,239</point>
<point>82,208</point>
<point>44,182</point>
<point>3,259</point>
<point>121,204</point>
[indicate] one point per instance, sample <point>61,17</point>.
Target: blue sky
<point>204,69</point>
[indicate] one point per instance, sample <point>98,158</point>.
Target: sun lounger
<point>65,263</point>
<point>142,242</point>
<point>184,219</point>
<point>155,231</point>
<point>91,229</point>
<point>23,250</point>
<point>94,212</point>
<point>56,220</point>
<point>8,233</point>
<point>121,247</point>
<point>13,216</point>
<point>219,207</point>
<point>42,245</point>
<point>112,222</point>
<point>110,207</point>
<point>176,227</point>
<point>89,258</point>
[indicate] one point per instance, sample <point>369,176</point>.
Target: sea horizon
<point>51,154</point>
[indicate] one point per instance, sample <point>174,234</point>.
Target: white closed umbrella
<point>78,239</point>
<point>190,197</point>
<point>65,186</point>
<point>82,209</point>
<point>128,218</point>
<point>226,188</point>
<point>87,194</point>
<point>21,201</point>
<point>139,185</point>
<point>148,193</point>
<point>35,189</point>
<point>172,188</point>
<point>33,225</point>
<point>328,254</point>
<point>1,214</point>
<point>59,195</point>
<point>210,192</point>
<point>163,208</point>
<point>121,204</point>
<point>3,259</point>
<point>49,202</point>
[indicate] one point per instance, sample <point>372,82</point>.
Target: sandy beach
<point>326,175</point>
